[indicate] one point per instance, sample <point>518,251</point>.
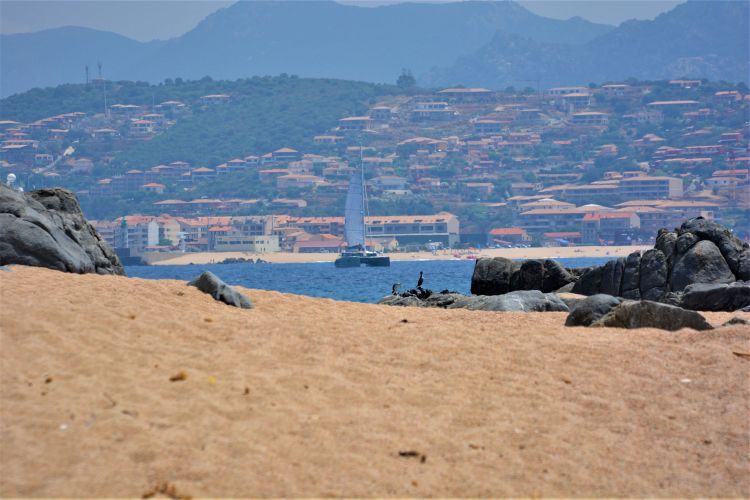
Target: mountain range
<point>488,43</point>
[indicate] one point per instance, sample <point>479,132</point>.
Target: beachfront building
<point>405,229</point>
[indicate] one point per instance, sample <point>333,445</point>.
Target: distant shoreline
<point>161,259</point>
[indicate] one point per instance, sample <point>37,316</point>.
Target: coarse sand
<point>113,387</point>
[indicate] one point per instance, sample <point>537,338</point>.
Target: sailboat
<point>356,253</point>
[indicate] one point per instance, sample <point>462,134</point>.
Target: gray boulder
<point>716,297</point>
<point>209,283</point>
<point>47,228</point>
<point>648,314</point>
<point>702,263</point>
<point>685,242</point>
<point>653,274</point>
<point>492,276</point>
<point>732,249</point>
<point>591,309</point>
<point>519,301</point>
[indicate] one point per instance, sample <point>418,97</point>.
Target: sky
<point>163,19</point>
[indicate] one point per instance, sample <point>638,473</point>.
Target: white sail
<point>354,215</point>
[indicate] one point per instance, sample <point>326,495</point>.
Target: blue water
<point>363,284</point>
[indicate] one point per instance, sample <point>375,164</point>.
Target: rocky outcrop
<point>209,283</point>
<point>700,251</point>
<point>497,276</point>
<point>46,228</point>
<point>648,314</point>
<point>518,301</point>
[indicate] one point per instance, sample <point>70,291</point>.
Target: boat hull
<point>353,261</point>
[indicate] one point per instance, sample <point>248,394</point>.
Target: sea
<point>322,279</point>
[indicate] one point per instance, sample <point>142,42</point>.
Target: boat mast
<point>365,207</point>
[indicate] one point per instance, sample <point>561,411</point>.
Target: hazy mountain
<point>60,55</point>
<point>696,39</point>
<point>309,38</point>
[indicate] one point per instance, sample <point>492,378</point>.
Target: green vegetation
<point>264,114</point>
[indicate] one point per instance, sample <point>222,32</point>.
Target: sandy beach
<point>114,387</point>
<point>510,253</point>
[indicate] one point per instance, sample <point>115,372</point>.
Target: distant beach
<point>298,258</point>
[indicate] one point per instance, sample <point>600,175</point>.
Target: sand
<point>510,253</point>
<point>312,397</point>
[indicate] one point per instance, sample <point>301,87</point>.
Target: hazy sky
<point>162,19</point>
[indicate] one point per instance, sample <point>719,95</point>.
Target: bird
<point>394,289</point>
<point>420,280</point>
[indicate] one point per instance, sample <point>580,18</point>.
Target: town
<point>593,164</point>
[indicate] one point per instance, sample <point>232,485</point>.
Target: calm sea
<point>364,284</point>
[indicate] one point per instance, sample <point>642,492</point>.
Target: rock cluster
<point>46,228</point>
<point>700,251</point>
<point>499,275</point>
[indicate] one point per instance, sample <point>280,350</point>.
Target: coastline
<point>300,258</point>
<point>119,386</point>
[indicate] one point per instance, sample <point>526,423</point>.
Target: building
<point>507,236</point>
<point>650,188</point>
<point>432,111</point>
<point>355,124</point>
<point>236,241</point>
<point>610,227</point>
<point>590,118</point>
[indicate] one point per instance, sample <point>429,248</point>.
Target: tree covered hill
<point>263,114</point>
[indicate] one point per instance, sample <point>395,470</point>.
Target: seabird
<point>394,289</point>
<point>420,280</point>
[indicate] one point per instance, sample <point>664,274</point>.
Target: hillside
<point>264,113</point>
<point>696,39</point>
<point>314,39</point>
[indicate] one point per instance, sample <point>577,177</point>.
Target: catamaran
<point>356,253</point>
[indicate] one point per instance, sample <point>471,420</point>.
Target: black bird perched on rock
<point>420,280</point>
<point>394,289</point>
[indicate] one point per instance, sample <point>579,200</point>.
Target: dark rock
<point>666,242</point>
<point>529,276</point>
<point>743,269</point>
<point>648,314</point>
<point>653,274</point>
<point>629,287</point>
<point>703,263</point>
<point>555,276</point>
<point>736,321</point>
<point>46,228</point>
<point>591,309</point>
<point>209,283</point>
<point>716,297</point>
<point>610,282</point>
<point>730,246</point>
<point>492,276</point>
<point>685,242</point>
<point>590,282</point>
